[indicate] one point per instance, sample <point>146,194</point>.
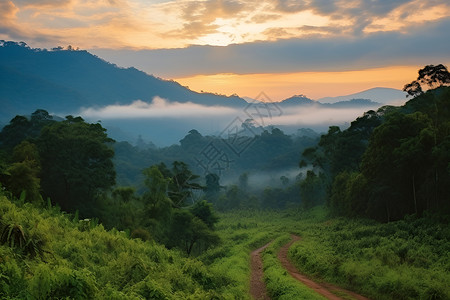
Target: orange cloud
<point>179,23</point>
<point>8,11</point>
<point>142,24</point>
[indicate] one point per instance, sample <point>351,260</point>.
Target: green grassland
<point>408,259</point>
<point>51,255</point>
<point>46,253</point>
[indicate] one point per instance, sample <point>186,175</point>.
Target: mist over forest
<point>130,103</point>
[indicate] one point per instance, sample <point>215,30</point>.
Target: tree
<point>21,128</point>
<point>124,193</point>
<point>312,190</point>
<point>76,163</point>
<point>349,194</point>
<point>24,171</point>
<point>194,141</point>
<point>157,204</point>
<point>181,182</point>
<point>204,211</point>
<point>188,230</point>
<point>212,188</point>
<point>431,75</point>
<point>396,163</point>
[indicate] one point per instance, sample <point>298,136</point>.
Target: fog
<point>158,108</point>
<point>260,180</point>
<point>165,123</point>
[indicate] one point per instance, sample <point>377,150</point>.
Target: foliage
<point>21,128</point>
<point>24,171</point>
<point>76,163</point>
<point>187,230</point>
<point>311,190</point>
<point>406,259</point>
<point>431,75</point>
<point>94,263</point>
<point>405,143</point>
<point>271,150</point>
<point>388,163</point>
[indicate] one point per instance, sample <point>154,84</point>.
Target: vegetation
<point>271,152</point>
<point>390,163</point>
<point>45,254</point>
<point>163,239</point>
<point>280,284</point>
<point>407,259</point>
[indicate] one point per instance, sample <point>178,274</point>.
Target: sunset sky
<point>282,47</point>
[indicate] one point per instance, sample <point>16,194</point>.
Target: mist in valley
<point>164,123</point>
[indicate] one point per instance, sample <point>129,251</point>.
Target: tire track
<point>257,285</point>
<point>325,289</point>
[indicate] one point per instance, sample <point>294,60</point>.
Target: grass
<point>89,262</point>
<point>408,259</point>
<point>280,284</point>
<point>65,257</point>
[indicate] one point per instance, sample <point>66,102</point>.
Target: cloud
<point>165,122</point>
<point>8,20</point>
<point>8,10</point>
<point>42,3</point>
<point>422,44</point>
<point>158,108</point>
<point>290,6</point>
<point>264,17</point>
<point>179,23</point>
<point>318,117</point>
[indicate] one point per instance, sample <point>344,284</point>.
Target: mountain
<point>63,81</point>
<point>297,100</point>
<point>379,94</point>
<point>301,100</point>
<point>353,103</point>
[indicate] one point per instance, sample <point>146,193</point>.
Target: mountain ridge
<point>377,94</point>
<point>37,78</point>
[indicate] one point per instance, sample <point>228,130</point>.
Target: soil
<point>325,289</point>
<point>257,286</point>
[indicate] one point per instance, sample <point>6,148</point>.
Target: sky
<point>282,47</point>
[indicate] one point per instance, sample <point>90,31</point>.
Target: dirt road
<point>325,289</point>
<point>257,285</point>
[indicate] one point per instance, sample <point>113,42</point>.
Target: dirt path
<point>325,289</point>
<point>257,285</point>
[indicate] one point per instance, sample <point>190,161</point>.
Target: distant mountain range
<point>379,94</point>
<point>301,100</point>
<point>63,81</point>
<point>72,82</point>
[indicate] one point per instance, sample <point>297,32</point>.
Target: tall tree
<point>76,163</point>
<point>432,76</point>
<point>24,172</point>
<point>395,165</point>
<point>21,128</point>
<point>181,183</point>
<point>212,188</point>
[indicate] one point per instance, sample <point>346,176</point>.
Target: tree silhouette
<point>431,75</point>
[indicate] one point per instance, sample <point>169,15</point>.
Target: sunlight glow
<point>312,84</point>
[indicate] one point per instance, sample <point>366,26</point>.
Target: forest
<point>85,217</point>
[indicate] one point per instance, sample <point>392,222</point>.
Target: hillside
<point>378,94</point>
<point>51,255</point>
<point>63,81</point>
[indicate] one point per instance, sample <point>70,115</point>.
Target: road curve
<point>325,289</point>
